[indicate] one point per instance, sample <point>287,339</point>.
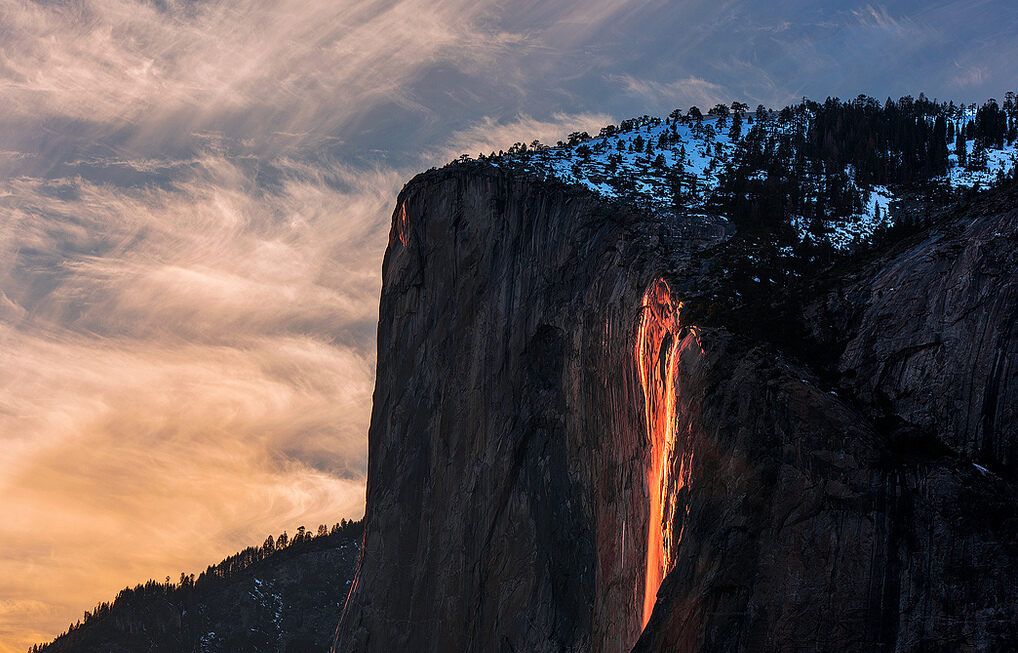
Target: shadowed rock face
<point>524,411</point>
<point>932,335</point>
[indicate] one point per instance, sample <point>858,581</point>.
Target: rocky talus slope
<point>564,457</point>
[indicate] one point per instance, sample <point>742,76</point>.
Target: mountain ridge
<point>854,158</point>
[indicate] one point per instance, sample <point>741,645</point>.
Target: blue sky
<point>195,200</point>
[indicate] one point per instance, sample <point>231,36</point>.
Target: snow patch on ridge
<point>668,163</point>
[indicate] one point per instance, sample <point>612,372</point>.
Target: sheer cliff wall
<point>507,495</point>
<point>559,461</point>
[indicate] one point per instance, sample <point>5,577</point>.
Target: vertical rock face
<point>507,485</point>
<point>933,348</point>
<point>559,463</point>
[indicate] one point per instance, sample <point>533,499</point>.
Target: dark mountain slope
<point>950,296</point>
<point>262,600</point>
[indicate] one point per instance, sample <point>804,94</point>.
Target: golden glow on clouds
<point>122,60</point>
<point>181,387</point>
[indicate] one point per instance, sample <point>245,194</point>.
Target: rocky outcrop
<point>550,440</point>
<point>929,334</point>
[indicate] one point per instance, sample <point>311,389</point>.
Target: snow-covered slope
<point>675,164</point>
<point>607,164</point>
<point>999,162</point>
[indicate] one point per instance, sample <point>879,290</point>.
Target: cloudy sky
<point>194,203</point>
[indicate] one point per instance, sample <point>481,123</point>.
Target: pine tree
<point>1011,111</point>
<point>674,180</point>
<point>735,132</point>
<point>938,147</point>
<point>978,159</point>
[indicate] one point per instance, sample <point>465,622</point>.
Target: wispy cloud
<point>488,134</point>
<point>689,90</point>
<point>185,370</point>
<point>968,76</point>
<point>300,67</point>
<point>878,16</point>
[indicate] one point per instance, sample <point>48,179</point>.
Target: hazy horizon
<point>196,200</point>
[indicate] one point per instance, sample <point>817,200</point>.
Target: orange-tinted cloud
<point>184,372</point>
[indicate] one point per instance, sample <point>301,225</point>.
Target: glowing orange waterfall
<point>402,224</point>
<point>656,358</point>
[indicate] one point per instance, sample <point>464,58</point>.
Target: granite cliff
<point>572,448</point>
